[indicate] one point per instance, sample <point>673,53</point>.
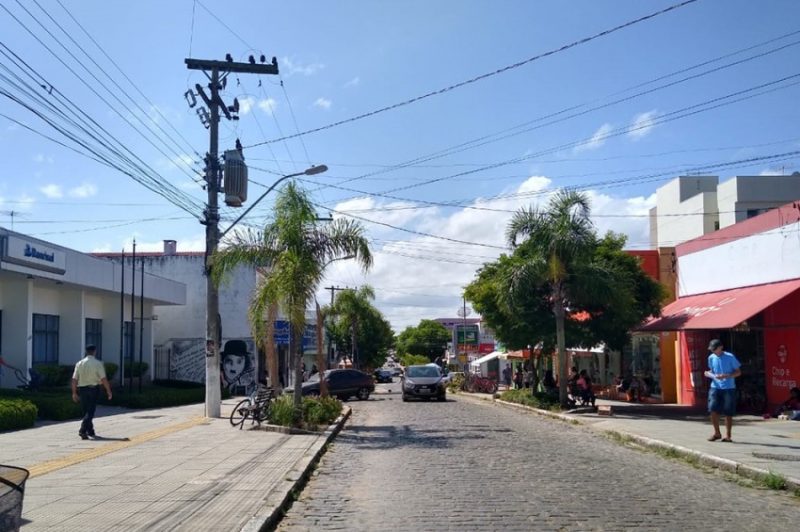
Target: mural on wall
<point>238,367</point>
<point>187,360</point>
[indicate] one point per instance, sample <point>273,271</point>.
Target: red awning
<point>720,310</point>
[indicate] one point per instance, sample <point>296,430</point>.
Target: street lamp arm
<point>310,171</point>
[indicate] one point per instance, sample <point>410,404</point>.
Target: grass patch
<point>774,481</point>
<point>618,437</point>
<point>316,412</point>
<point>537,400</point>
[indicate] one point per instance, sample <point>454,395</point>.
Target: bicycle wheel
<point>240,412</point>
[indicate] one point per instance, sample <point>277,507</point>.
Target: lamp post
<point>213,398</point>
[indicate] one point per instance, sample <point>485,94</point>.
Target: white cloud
<point>289,67</point>
<point>353,82</point>
<point>246,104</point>
<point>193,243</point>
<point>84,190</point>
<point>52,191</point>
<point>597,140</point>
<point>642,125</point>
<point>41,158</point>
<point>182,162</point>
<point>418,276</point>
<point>268,105</point>
<point>322,103</point>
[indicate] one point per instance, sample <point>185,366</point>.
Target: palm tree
<point>352,307</point>
<point>557,251</point>
<point>292,251</point>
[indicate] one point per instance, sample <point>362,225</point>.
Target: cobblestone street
<point>460,465</point>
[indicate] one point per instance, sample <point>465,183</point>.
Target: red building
<point>742,285</point>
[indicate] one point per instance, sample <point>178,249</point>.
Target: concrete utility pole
<point>333,290</point>
<point>219,70</point>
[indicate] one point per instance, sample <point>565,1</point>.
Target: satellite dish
<point>464,312</point>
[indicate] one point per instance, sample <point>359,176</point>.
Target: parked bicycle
<point>255,407</point>
<point>477,384</point>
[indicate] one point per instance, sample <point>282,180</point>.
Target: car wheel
<point>405,399</point>
<point>442,398</point>
<point>343,397</point>
<point>363,394</point>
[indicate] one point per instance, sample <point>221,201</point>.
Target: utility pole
<point>333,290</point>
<point>219,70</point>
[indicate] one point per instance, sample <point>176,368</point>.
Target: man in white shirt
<point>87,378</point>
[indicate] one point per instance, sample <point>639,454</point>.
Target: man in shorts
<point>723,368</point>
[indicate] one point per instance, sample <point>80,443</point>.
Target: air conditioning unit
<point>235,179</point>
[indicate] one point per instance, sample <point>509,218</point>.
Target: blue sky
<point>342,59</point>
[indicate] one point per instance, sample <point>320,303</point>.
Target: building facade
<point>692,206</point>
<point>742,285</point>
<point>55,300</point>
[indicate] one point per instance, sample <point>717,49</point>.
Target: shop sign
<point>281,335</point>
<point>485,349</point>
<point>34,255</point>
<point>782,363</point>
<point>471,333</point>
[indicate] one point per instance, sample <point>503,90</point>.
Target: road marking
<point>82,456</point>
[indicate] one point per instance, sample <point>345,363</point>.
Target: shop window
<point>94,335</point>
<point>45,339</point>
<point>127,341</point>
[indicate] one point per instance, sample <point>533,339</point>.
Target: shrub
<point>111,370</point>
<point>170,383</point>
<point>524,397</point>
<point>456,382</point>
<point>414,360</point>
<point>282,411</point>
<point>54,375</point>
<point>51,405</point>
<point>321,410</point>
<point>17,414</point>
<point>135,369</point>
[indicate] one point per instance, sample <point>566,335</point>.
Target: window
<point>127,341</point>
<point>45,339</point>
<point>94,335</point>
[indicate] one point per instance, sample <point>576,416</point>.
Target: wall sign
<point>34,255</point>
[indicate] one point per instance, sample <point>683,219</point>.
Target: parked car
<point>424,382</point>
<point>342,383</point>
<point>397,371</point>
<point>384,375</point>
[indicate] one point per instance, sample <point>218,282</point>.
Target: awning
<point>720,310</point>
<point>486,358</point>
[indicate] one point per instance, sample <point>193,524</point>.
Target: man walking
<point>507,376</point>
<point>723,368</point>
<point>87,378</point>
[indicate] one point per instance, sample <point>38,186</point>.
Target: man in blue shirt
<point>723,368</point>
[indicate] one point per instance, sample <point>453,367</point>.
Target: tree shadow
<point>381,437</point>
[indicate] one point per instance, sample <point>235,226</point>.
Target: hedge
<point>16,414</point>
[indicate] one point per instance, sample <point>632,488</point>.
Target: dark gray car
<point>423,382</point>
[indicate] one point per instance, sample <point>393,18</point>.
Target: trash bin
<point>12,491</point>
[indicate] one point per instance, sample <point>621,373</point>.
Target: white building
<point>54,301</point>
<point>692,206</point>
<point>179,334</point>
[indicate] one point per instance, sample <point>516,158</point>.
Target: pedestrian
<point>507,376</point>
<point>518,378</point>
<point>723,368</point>
<point>87,378</point>
<point>314,370</point>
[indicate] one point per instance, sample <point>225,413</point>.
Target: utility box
<point>235,179</point>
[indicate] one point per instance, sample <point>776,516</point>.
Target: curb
<point>709,460</point>
<point>280,499</point>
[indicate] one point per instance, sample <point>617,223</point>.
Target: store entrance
<point>748,346</point>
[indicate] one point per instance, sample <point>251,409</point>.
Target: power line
<point>481,77</point>
<point>552,117</point>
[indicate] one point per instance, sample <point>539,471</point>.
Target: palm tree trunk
<point>560,313</point>
<point>272,354</point>
<point>297,338</point>
<point>323,386</point>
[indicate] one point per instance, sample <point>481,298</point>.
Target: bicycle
<point>256,407</point>
<point>478,384</point>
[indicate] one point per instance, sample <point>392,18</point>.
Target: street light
<point>212,302</point>
<point>314,170</point>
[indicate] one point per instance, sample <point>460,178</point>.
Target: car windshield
<point>422,371</point>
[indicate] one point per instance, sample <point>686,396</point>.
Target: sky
<point>434,181</point>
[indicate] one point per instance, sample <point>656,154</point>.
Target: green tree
<point>292,251</point>
<point>557,253</point>
<point>360,328</point>
<point>429,338</point>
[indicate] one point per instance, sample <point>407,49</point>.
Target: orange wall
<point>649,261</point>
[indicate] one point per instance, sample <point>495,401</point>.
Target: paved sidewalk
<point>759,445</point>
<point>164,469</point>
